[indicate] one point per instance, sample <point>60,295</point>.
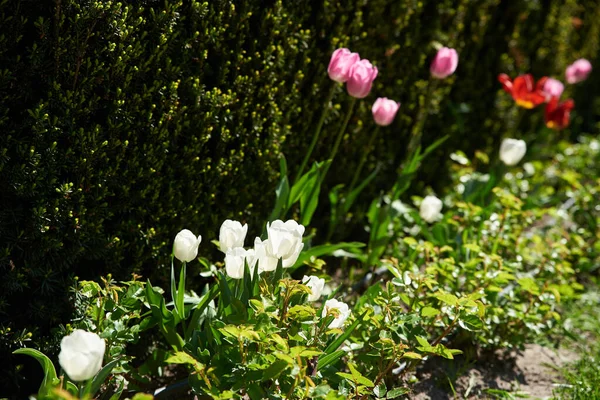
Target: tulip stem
<point>338,140</point>
<point>357,173</point>
<point>317,132</point>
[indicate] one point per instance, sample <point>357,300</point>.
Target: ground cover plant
<point>348,290</point>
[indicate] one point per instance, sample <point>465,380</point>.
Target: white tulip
<point>342,315</point>
<point>266,261</point>
<point>185,247</point>
<point>512,151</point>
<point>234,262</point>
<point>232,234</point>
<point>316,286</point>
<point>285,241</point>
<point>430,209</point>
<point>81,355</point>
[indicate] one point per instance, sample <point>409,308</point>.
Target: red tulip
<point>524,90</point>
<point>557,115</point>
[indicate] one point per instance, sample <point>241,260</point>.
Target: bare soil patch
<point>532,372</point>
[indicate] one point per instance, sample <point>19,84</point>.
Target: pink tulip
<point>384,111</point>
<point>339,66</point>
<point>444,64</point>
<point>362,74</point>
<point>553,88</point>
<point>578,71</point>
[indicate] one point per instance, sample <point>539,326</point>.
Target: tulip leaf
<point>50,378</point>
<point>305,184</point>
<point>226,295</point>
<point>163,317</point>
<point>325,249</point>
<point>118,393</point>
<point>94,384</point>
<point>333,346</point>
<point>351,198</point>
<point>330,359</point>
<point>199,309</point>
<point>282,192</point>
<point>309,197</point>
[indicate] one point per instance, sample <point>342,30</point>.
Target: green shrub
<point>123,122</point>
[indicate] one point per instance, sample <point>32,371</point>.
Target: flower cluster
<point>359,74</point>
<point>529,94</point>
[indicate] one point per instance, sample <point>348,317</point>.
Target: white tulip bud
<point>343,312</point>
<point>266,261</point>
<point>512,151</point>
<point>285,241</point>
<point>316,286</point>
<point>232,234</point>
<point>81,355</point>
<point>185,247</point>
<point>430,209</point>
<point>234,262</point>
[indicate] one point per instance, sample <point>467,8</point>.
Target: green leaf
<point>309,198</point>
<point>349,201</point>
<point>529,285</point>
<point>50,378</point>
<point>181,357</point>
<point>325,249</point>
<point>397,392</point>
<point>330,359</point>
<point>412,355</point>
<point>447,298</point>
<point>429,311</point>
<point>470,322</point>
<point>94,384</point>
<point>118,392</point>
<point>358,377</point>
<point>282,192</point>
<point>142,396</point>
<point>274,370</point>
<point>333,346</point>
<point>199,309</point>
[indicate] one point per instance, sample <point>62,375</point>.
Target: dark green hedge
<point>122,122</point>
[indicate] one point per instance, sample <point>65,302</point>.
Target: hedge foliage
<point>123,121</point>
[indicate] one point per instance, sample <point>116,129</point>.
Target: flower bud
<point>235,259</point>
<point>340,63</point>
<point>444,64</point>
<point>81,355</point>
<point>343,312</point>
<point>185,247</point>
<point>316,286</point>
<point>578,71</point>
<point>553,88</point>
<point>266,260</point>
<point>360,81</point>
<point>285,241</point>
<point>231,235</point>
<point>512,151</point>
<point>430,209</point>
<point>384,111</point>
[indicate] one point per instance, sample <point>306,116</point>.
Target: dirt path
<point>529,372</point>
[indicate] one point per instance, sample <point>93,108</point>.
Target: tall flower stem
<point>355,178</point>
<point>338,140</point>
<point>317,132</point>
<point>316,188</point>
